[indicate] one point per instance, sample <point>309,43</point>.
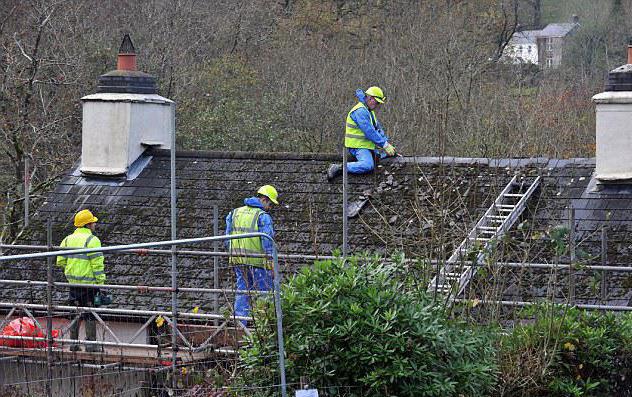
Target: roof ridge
<point>492,162</point>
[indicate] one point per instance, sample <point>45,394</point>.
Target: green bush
<point>565,351</point>
<point>357,330</point>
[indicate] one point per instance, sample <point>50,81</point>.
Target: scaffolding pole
<point>129,312</point>
<point>178,252</point>
<point>524,304</point>
<point>49,309</point>
<point>215,259</point>
<point>174,281</point>
<point>345,199</point>
<point>142,288</point>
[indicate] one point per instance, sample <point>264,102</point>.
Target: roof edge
<point>246,155</point>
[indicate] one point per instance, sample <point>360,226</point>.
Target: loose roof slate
<point>421,206</point>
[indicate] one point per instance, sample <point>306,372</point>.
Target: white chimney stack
<point>614,126</point>
<point>123,118</point>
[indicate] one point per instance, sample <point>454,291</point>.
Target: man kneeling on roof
<point>364,134</point>
<point>83,269</point>
<point>252,272</point>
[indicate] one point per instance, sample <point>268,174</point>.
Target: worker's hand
<point>389,149</point>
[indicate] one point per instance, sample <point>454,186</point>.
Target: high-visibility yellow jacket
<point>82,268</point>
<point>354,136</point>
<point>245,220</point>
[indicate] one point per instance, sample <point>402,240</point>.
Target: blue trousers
<point>250,278</point>
<point>364,161</point>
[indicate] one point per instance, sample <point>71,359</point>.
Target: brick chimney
<point>123,118</point>
<point>614,126</point>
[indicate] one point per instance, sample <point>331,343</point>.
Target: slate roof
<point>525,37</point>
<point>421,206</point>
<point>557,29</point>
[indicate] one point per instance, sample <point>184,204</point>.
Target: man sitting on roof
<point>363,134</point>
<point>252,272</point>
<point>83,269</point>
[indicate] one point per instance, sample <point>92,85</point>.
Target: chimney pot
<point>127,55</point>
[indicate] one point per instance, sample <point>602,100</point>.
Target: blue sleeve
<point>362,118</point>
<point>229,226</point>
<point>266,226</point>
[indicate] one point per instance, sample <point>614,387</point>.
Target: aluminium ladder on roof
<point>459,269</point>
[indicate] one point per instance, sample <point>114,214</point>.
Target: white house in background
<point>522,47</point>
<point>540,47</point>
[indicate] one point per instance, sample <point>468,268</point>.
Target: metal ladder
<point>459,269</point>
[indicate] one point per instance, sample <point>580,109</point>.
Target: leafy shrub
<point>356,330</point>
<point>568,352</point>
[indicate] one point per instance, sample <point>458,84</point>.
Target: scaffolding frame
<point>170,317</point>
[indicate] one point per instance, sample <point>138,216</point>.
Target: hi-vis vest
<point>245,220</point>
<point>354,136</point>
<point>82,268</point>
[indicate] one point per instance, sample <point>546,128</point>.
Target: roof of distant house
<point>558,29</point>
<point>525,37</point>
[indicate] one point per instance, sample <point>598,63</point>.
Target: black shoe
<point>333,171</point>
<point>75,348</point>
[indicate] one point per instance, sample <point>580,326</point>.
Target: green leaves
<point>360,327</point>
<point>571,352</point>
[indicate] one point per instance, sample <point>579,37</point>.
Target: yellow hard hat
<point>377,93</point>
<point>84,217</point>
<point>270,192</point>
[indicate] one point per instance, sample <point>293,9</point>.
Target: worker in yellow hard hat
<point>364,134</point>
<point>83,269</point>
<point>252,272</point>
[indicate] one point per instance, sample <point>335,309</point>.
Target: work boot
<point>333,171</point>
<point>91,334</point>
<point>74,334</point>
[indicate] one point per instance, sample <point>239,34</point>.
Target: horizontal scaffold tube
<point>150,251</point>
<point>73,309</point>
<point>98,343</point>
<point>524,304</point>
<point>133,287</point>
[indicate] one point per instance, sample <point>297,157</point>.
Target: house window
<point>529,49</point>
<point>549,43</point>
<point>549,62</point>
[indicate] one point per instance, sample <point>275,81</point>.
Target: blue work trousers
<point>364,161</point>
<point>250,278</point>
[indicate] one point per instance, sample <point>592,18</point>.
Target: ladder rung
<point>488,231</point>
<point>505,206</point>
<point>505,209</point>
<point>480,238</point>
<point>513,195</point>
<point>496,217</point>
<point>487,228</point>
<point>452,275</point>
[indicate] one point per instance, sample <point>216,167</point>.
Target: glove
<point>389,149</point>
